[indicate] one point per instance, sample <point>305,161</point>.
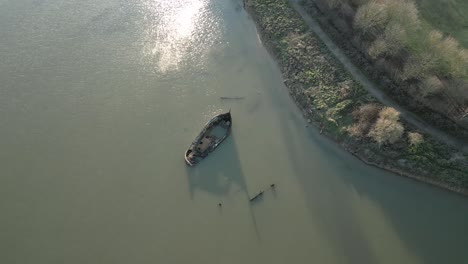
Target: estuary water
<point>100,99</point>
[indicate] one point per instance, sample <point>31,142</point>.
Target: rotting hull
<point>213,133</point>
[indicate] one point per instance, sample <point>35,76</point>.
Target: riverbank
<point>435,107</point>
<point>328,95</point>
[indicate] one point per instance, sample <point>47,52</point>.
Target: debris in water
<point>232,98</point>
<point>256,196</point>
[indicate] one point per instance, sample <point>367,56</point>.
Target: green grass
<point>449,16</point>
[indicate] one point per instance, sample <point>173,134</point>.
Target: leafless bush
<point>364,116</point>
<point>390,42</point>
<point>415,138</point>
<point>359,2</point>
<point>404,12</point>
<point>334,3</point>
<point>418,67</point>
<point>367,112</point>
<point>450,59</point>
<point>379,46</point>
<point>457,91</point>
<point>430,86</point>
<point>347,10</point>
<point>434,37</point>
<point>453,60</point>
<point>357,130</point>
<point>387,129</point>
<point>389,113</point>
<point>418,58</point>
<point>371,17</point>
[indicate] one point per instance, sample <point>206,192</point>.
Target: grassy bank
<point>331,99</point>
<point>414,63</point>
<point>448,16</point>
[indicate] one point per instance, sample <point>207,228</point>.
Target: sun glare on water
<point>177,31</point>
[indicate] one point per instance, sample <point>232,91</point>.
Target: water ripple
<point>178,32</point>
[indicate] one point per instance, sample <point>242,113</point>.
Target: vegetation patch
<point>448,16</point>
<point>415,63</point>
<point>329,96</point>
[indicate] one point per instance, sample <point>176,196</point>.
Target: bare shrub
<point>387,129</point>
<point>451,59</point>
<point>371,18</point>
<point>405,13</point>
<point>367,112</point>
<point>430,86</point>
<point>334,3</point>
<point>418,67</point>
<point>389,113</point>
<point>395,35</point>
<point>417,57</point>
<point>347,10</point>
<point>365,116</point>
<point>379,46</point>
<point>458,89</point>
<point>344,89</point>
<point>434,37</point>
<point>357,130</point>
<point>390,42</point>
<point>413,68</point>
<point>415,138</point>
<point>359,2</point>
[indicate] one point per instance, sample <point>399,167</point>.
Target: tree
<point>415,138</point>
<point>450,60</point>
<point>390,42</point>
<point>453,60</point>
<point>389,113</point>
<point>365,116</point>
<point>371,18</point>
<point>387,129</point>
<point>418,66</point>
<point>334,3</point>
<point>430,86</point>
<point>405,13</point>
<point>359,2</point>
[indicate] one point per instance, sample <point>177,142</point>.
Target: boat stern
<point>188,160</point>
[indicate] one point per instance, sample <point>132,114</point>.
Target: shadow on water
<point>221,174</point>
<point>332,211</point>
<point>431,223</point>
<point>274,193</point>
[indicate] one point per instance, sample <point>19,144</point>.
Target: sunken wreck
<point>214,132</point>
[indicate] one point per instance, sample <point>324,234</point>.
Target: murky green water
<point>98,102</point>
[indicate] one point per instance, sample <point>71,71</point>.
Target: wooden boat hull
<point>212,134</point>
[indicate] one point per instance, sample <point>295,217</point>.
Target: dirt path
<point>372,88</point>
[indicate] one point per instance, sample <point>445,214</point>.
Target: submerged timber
<point>214,132</point>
